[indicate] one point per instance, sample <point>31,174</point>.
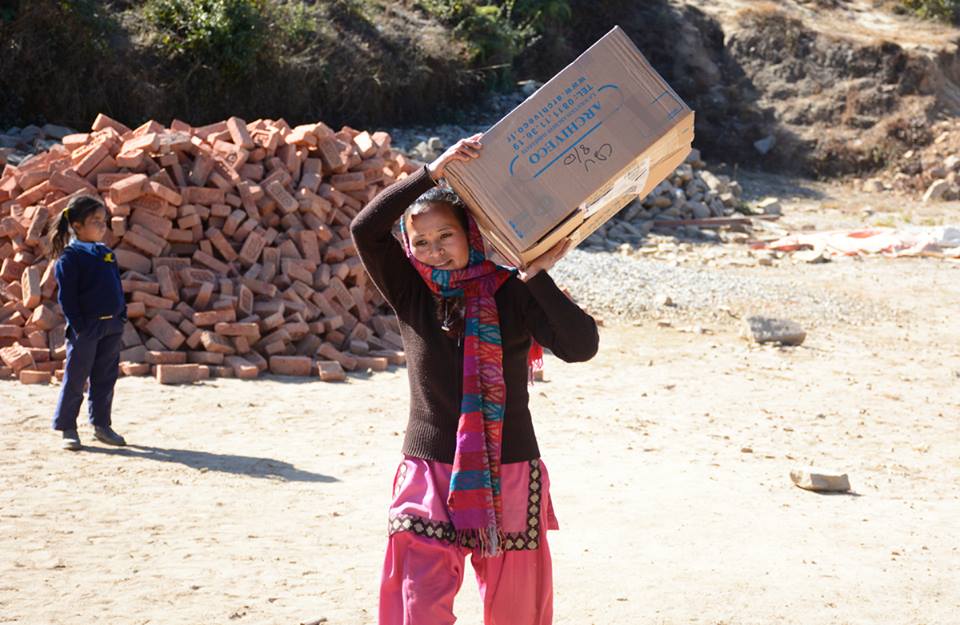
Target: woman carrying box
<point>471,480</point>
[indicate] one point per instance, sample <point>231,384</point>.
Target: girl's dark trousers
<point>94,355</point>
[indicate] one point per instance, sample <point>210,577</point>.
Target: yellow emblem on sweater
<point>108,257</point>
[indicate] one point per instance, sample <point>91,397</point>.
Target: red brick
<point>37,224</point>
<point>165,332</point>
<point>143,243</point>
<point>44,317</point>
<point>131,160</point>
<point>168,284</point>
<point>33,376</point>
<point>30,284</point>
<point>353,181</point>
<point>207,260</point>
<point>152,301</point>
<point>213,317</point>
<point>137,353</point>
<point>130,260</point>
<point>178,374</point>
<point>330,352</point>
<point>205,358</point>
<point>16,357</point>
<point>374,363</point>
<point>365,145</point>
<point>10,331</point>
<point>331,371</point>
<point>202,195</point>
<point>215,343</point>
<point>134,369</point>
<point>290,365</point>
<point>165,357</point>
<point>163,192</point>
<point>150,221</point>
<point>395,357</point>
<point>149,142</point>
<point>102,121</point>
<point>242,368</point>
<point>249,330</point>
<point>287,202</point>
<point>220,242</point>
<point>252,247</point>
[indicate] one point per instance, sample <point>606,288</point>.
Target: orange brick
<point>33,376</point>
<point>365,145</point>
<point>102,122</point>
<point>163,192</point>
<point>178,374</point>
<point>239,134</point>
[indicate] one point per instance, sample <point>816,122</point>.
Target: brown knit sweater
<point>435,361</point>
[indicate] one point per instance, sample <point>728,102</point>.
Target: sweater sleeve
<point>68,289</point>
<point>557,323</point>
<point>382,255</point>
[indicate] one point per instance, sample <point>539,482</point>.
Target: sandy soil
<point>264,502</point>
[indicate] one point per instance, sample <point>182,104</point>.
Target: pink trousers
<point>424,564</point>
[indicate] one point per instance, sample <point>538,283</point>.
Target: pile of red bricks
<point>233,245</point>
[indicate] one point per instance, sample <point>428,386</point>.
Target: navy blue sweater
<point>89,284</point>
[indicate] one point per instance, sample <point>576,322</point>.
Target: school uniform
<point>91,297</point>
<point>423,567</point>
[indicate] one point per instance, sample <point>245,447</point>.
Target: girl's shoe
<point>105,434</point>
<point>71,440</point>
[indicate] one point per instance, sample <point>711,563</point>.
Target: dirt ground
<point>265,502</point>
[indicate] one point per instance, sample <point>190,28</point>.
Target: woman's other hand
<point>463,150</point>
<point>547,260</point>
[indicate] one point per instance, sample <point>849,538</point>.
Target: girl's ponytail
<point>60,234</point>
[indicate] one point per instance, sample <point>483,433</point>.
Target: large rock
<point>936,190</point>
<point>820,480</point>
<point>770,206</point>
<point>771,330</point>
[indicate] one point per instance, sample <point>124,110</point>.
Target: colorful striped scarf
<point>476,507</point>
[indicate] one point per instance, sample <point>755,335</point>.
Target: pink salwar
<point>424,564</point>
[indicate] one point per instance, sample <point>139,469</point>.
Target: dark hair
<point>441,195</point>
<point>76,212</point>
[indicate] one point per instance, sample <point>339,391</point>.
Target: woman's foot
<point>71,440</point>
<point>105,434</point>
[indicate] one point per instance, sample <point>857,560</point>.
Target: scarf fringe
<point>489,540</point>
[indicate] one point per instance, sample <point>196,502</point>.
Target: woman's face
<point>93,227</point>
<point>437,238</point>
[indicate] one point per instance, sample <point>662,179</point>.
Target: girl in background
<point>92,301</point>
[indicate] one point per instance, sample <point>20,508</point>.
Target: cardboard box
<point>604,131</point>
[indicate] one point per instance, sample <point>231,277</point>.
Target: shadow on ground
<point>252,466</point>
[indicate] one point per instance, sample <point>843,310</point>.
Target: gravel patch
<point>630,288</point>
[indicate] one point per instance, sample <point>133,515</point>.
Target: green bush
<point>227,35</point>
<point>499,31</point>
<point>944,10</point>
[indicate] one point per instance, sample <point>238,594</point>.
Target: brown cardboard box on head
<point>604,131</point>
